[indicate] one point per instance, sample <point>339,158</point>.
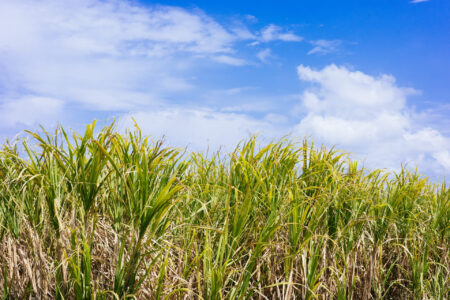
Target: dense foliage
<point>109,215</point>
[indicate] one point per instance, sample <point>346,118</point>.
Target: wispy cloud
<point>324,46</point>
<point>418,1</point>
<point>276,33</point>
<point>273,33</point>
<point>229,60</point>
<point>264,55</point>
<point>111,56</point>
<point>104,55</point>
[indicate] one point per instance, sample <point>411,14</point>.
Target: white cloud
<point>251,18</point>
<point>105,55</point>
<point>264,55</point>
<point>109,55</point>
<point>418,1</point>
<point>198,128</point>
<point>443,158</point>
<point>29,110</point>
<point>324,46</point>
<point>111,27</point>
<point>229,60</point>
<point>353,89</point>
<point>369,116</point>
<point>275,33</point>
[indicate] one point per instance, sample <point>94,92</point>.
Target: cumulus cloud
<point>369,116</point>
<point>324,46</point>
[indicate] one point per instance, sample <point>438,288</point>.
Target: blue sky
<point>371,77</point>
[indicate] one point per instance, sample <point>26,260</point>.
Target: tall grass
<point>118,216</point>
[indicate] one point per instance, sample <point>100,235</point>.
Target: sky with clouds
<point>370,77</point>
